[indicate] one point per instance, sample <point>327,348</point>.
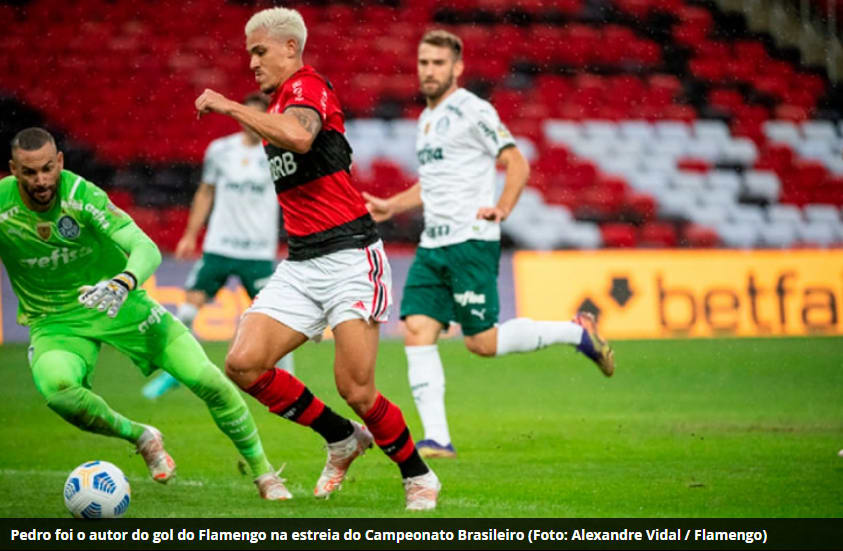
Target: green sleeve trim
<point>144,256</point>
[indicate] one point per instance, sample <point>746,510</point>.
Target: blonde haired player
<point>336,275</point>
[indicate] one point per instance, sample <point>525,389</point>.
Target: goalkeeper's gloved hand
<point>108,295</point>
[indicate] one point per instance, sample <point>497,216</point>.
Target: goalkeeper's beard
<point>33,191</point>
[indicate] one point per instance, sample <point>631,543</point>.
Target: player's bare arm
<point>517,172</point>
<point>308,118</point>
<point>203,200</point>
<point>284,130</point>
<point>384,209</point>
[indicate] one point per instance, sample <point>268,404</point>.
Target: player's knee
<point>481,345</point>
<point>243,367</point>
<point>420,331</point>
<point>69,403</point>
<point>52,375</point>
<point>359,398</point>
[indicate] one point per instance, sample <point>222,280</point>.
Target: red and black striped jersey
<point>323,211</point>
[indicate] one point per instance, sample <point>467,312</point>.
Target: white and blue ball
<point>97,489</point>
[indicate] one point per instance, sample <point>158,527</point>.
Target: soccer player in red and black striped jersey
<point>336,275</point>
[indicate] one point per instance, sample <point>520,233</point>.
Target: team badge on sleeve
<point>68,227</point>
<point>44,229</point>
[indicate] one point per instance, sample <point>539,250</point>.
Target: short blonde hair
<point>282,23</point>
<point>443,39</point>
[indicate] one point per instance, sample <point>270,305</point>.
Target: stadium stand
<point>648,123</point>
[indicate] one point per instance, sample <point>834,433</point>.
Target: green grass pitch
<point>702,428</point>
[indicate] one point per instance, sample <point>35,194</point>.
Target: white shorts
<point>310,295</point>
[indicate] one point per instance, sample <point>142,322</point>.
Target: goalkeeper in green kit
<point>76,263</point>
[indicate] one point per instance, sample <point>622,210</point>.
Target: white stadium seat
<point>561,132</point>
<point>673,130</point>
<point>819,130</point>
<point>777,235</point>
<point>762,184</point>
<point>821,213</point>
<point>738,234</point>
<point>601,129</point>
<point>747,214</point>
<point>724,179</point>
<point>677,204</point>
<point>784,213</point>
<point>715,130</point>
<point>815,233</point>
<point>638,130</point>
<point>782,132</point>
<point>687,180</point>
<point>742,151</point>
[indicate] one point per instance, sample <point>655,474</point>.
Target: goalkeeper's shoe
<point>159,386</point>
<point>422,491</point>
<point>593,346</point>
<point>271,487</point>
<point>340,456</point>
<point>430,449</point>
<point>151,447</point>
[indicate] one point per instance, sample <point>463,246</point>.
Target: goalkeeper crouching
<point>76,263</point>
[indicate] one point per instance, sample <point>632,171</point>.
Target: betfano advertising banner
<point>694,293</point>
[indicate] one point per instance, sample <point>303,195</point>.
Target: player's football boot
<point>271,487</point>
<point>422,491</point>
<point>159,386</point>
<point>151,447</point>
<point>340,456</point>
<point>431,449</point>
<point>593,346</point>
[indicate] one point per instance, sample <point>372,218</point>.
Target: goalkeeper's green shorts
<point>142,330</point>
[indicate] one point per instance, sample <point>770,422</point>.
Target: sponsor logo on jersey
<point>44,229</point>
<point>480,313</point>
<point>442,125</point>
<point>429,154</point>
<point>68,227</point>
<point>281,166</point>
<point>8,214</point>
<point>156,314</point>
<point>487,131</point>
<point>469,297</point>
<point>59,257</point>
<point>426,128</point>
<point>455,109</point>
<point>98,216</point>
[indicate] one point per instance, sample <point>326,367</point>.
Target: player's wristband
<point>126,279</point>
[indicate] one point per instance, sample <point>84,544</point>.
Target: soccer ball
<point>97,489</point>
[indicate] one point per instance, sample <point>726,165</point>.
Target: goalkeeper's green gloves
<point>108,295</point>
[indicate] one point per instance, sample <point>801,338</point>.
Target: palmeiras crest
<point>68,227</point>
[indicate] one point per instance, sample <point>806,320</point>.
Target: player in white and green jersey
<point>460,139</point>
<point>242,235</point>
<point>76,263</point>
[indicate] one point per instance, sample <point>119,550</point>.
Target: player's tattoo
<point>308,118</point>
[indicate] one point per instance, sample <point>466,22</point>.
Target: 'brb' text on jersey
<point>458,143</point>
<point>49,255</point>
<point>323,212</point>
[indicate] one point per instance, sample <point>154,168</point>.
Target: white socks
<point>526,335</point>
<point>187,313</point>
<point>427,381</point>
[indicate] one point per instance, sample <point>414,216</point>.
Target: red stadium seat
<point>618,235</point>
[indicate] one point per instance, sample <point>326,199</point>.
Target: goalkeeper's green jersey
<point>50,254</point>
